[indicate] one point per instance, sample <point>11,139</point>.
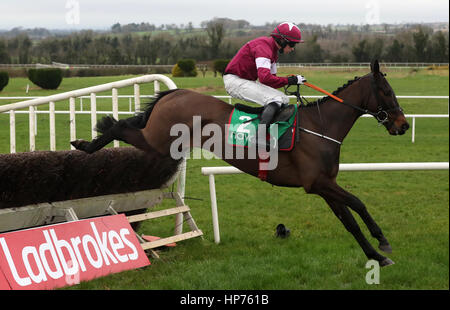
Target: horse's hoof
<point>386,248</point>
<point>76,144</point>
<point>386,262</point>
<point>80,144</point>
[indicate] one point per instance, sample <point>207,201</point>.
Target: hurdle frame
<point>55,212</point>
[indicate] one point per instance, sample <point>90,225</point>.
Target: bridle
<point>382,113</point>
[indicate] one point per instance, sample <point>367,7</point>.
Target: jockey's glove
<point>296,79</point>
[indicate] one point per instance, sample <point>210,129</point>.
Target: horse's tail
<point>138,121</point>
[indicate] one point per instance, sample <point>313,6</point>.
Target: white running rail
<point>212,171</point>
<point>129,97</point>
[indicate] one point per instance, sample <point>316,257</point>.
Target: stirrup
<point>268,113</point>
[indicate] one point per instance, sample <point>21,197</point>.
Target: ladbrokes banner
<point>65,254</point>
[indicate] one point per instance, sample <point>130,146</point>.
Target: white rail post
<point>35,122</point>
<point>93,115</point>
<point>137,98</point>
<point>156,87</point>
<point>215,216</point>
<point>32,128</point>
<point>181,190</point>
<point>73,130</point>
<point>12,131</point>
<point>52,126</point>
<point>413,130</point>
<point>115,109</point>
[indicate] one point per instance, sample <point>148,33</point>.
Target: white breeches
<point>253,91</point>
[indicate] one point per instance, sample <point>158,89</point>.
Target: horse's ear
<point>375,66</point>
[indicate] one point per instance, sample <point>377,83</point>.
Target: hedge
<point>46,78</point>
<point>220,65</point>
<point>184,67</point>
<point>4,79</point>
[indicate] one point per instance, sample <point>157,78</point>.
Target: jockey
<point>256,60</point>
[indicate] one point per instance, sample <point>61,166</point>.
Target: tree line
<point>145,44</point>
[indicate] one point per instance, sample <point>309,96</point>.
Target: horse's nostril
<point>405,126</point>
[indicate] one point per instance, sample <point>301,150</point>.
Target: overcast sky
<point>102,14</point>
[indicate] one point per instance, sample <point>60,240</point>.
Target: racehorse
<point>312,164</point>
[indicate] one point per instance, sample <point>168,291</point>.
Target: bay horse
<point>312,164</point>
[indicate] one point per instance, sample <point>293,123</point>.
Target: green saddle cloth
<point>243,126</point>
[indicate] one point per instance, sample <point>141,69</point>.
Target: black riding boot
<point>266,118</point>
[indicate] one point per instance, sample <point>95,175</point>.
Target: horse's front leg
<point>342,196</point>
<point>356,205</point>
<point>338,200</point>
<point>349,222</point>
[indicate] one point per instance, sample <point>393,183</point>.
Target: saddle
<point>244,120</point>
<point>283,114</point>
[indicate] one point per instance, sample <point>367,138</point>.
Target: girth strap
<point>262,167</point>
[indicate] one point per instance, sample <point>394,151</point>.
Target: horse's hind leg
<point>113,130</point>
<point>93,146</point>
<point>105,126</point>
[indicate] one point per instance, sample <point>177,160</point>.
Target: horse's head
<point>384,104</point>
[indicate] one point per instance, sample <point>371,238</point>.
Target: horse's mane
<point>336,92</point>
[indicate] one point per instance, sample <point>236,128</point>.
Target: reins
<point>298,128</point>
<point>381,115</point>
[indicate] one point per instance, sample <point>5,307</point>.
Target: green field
<point>411,207</point>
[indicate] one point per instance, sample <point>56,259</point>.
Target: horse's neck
<point>337,119</point>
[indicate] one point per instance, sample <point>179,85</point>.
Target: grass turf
<point>411,207</point>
